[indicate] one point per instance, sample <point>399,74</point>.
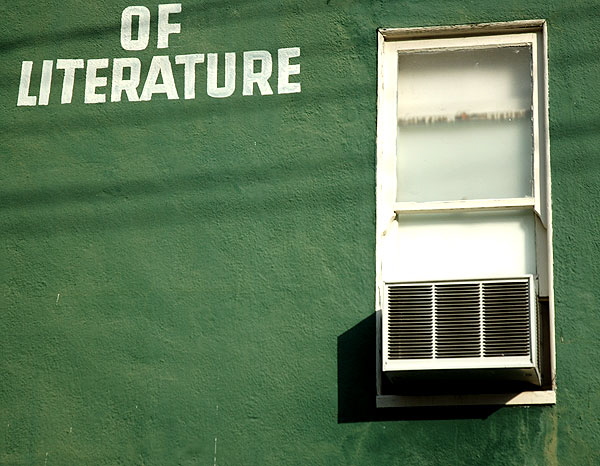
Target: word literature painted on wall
<point>127,83</point>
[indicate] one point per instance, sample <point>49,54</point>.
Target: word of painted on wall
<point>100,80</point>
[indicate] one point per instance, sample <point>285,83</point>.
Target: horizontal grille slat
<point>486,319</point>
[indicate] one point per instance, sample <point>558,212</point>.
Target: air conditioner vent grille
<point>474,319</point>
<point>458,321</point>
<point>506,319</point>
<point>410,322</point>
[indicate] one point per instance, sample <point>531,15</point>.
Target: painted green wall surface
<point>190,281</point>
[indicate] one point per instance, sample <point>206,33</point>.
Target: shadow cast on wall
<point>356,380</point>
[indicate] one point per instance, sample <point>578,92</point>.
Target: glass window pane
<point>465,124</point>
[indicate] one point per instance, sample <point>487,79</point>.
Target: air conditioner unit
<point>461,325</point>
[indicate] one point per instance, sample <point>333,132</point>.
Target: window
<point>464,254</point>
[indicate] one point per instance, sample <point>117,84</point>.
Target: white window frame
<point>393,41</point>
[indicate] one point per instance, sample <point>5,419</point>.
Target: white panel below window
<point>462,245</point>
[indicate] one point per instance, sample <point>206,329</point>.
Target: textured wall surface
<point>192,281</point>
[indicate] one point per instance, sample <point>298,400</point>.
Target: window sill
<point>477,204</point>
<point>541,397</point>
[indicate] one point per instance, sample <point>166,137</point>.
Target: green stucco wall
<point>192,281</point>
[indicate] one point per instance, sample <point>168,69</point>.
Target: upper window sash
<point>388,118</point>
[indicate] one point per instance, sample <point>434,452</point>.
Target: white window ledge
<point>541,397</point>
<point>475,204</point>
